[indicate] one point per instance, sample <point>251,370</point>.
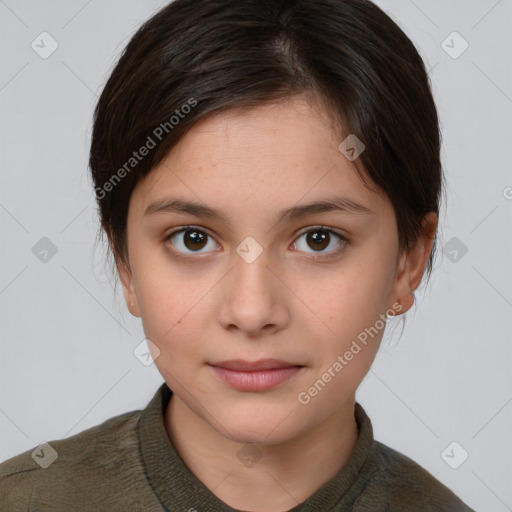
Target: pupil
<point>319,240</point>
<point>197,239</point>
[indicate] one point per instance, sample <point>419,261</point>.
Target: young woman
<point>268,176</point>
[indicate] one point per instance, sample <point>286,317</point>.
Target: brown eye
<point>318,240</point>
<point>194,240</point>
<point>190,240</point>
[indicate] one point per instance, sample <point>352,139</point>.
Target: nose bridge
<point>251,271</point>
<point>251,301</point>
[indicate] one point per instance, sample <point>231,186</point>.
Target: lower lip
<point>256,381</point>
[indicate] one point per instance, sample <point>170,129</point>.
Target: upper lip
<point>241,365</point>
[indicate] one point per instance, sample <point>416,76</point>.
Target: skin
<point>215,306</point>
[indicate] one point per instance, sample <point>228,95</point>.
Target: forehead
<point>275,130</point>
<point>261,158</point>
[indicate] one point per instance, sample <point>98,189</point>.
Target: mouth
<point>255,375</point>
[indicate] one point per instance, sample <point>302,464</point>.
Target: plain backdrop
<point>67,340</point>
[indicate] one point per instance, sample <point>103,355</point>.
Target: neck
<point>270,478</point>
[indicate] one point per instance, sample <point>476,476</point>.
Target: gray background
<point>67,340</point>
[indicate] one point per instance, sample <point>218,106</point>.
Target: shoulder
<point>94,444</point>
<point>62,470</point>
<point>399,483</point>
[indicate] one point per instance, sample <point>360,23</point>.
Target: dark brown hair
<point>196,57</point>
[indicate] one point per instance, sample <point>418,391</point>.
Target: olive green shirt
<point>128,463</point>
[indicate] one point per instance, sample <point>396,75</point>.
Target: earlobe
<point>413,262</point>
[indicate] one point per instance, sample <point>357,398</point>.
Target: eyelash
<point>332,254</point>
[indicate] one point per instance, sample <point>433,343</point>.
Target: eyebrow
<point>335,204</point>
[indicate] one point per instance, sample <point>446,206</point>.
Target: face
<point>227,265</point>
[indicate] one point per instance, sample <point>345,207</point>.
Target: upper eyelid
<point>320,227</point>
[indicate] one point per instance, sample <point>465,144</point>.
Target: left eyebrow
<point>335,204</point>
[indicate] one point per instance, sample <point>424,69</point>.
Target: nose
<point>254,298</point>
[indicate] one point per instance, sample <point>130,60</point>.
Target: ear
<point>412,264</point>
<point>130,296</point>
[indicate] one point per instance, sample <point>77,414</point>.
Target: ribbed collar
<point>178,489</point>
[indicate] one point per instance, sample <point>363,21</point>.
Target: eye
<point>190,240</point>
<point>319,238</point>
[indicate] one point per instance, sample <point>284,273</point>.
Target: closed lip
<point>240,365</point>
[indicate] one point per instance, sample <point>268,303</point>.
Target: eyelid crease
<point>319,227</point>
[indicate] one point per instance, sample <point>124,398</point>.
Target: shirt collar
<point>178,489</point>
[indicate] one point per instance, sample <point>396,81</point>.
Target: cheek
<point>162,293</point>
<point>352,304</point>
<point>173,307</point>
<point>163,296</point>
<point>171,311</point>
<point>355,299</point>
<point>347,350</point>
<point>172,321</point>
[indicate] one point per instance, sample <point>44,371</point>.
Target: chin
<point>269,427</point>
